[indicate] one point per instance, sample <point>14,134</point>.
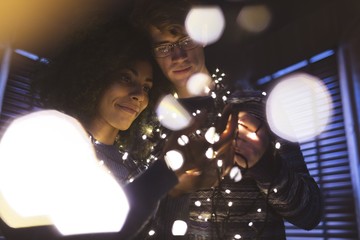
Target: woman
<point>104,80</point>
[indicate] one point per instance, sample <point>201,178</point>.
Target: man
<point>276,184</point>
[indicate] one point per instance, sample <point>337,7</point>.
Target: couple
<point>108,80</point>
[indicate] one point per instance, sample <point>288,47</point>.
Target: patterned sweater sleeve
<point>290,190</point>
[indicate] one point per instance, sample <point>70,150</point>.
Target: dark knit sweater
<point>260,202</point>
<point>278,187</point>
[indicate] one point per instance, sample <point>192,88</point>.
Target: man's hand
<point>251,140</point>
<point>200,170</point>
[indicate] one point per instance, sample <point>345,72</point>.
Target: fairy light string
<point>154,135</point>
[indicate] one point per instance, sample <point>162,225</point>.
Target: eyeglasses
<point>164,50</point>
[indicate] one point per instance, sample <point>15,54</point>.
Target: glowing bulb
<point>254,18</point>
<point>205,24</point>
<point>299,107</point>
<point>237,236</point>
<point>235,174</point>
<point>59,147</point>
<point>172,114</point>
<point>198,84</point>
<point>179,228</point>
<point>252,136</point>
<point>198,203</point>
<point>210,153</point>
<point>174,159</point>
<point>151,232</point>
<point>183,140</point>
<point>211,136</point>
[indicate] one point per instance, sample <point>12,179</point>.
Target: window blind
<point>18,99</point>
<point>326,156</point>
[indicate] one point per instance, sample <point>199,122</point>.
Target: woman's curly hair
<point>75,79</point>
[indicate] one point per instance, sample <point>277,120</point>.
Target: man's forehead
<point>166,35</point>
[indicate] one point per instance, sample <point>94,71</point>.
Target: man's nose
<point>177,53</point>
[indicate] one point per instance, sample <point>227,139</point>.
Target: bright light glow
<point>211,136</point>
<point>52,191</point>
<point>210,154</point>
<point>183,140</point>
<point>172,114</point>
<point>198,84</point>
<point>205,24</point>
<point>254,18</point>
<point>235,174</point>
<point>252,136</point>
<point>299,107</point>
<point>174,159</point>
<point>179,228</point>
<point>219,163</point>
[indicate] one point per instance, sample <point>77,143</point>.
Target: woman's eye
<point>125,79</point>
<point>147,89</point>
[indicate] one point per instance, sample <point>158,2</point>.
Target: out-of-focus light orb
<point>62,179</point>
<point>174,159</point>
<point>198,84</point>
<point>172,114</point>
<point>212,136</point>
<point>179,228</point>
<point>205,25</point>
<point>235,174</point>
<point>254,18</point>
<point>299,107</point>
<point>183,140</point>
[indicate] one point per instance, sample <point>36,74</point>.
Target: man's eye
<point>162,49</point>
<point>186,42</point>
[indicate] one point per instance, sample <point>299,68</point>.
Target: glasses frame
<point>182,44</point>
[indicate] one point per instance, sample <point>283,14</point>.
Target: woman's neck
<point>102,133</point>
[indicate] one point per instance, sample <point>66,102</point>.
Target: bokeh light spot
<point>299,107</point>
<point>198,84</point>
<point>174,159</point>
<point>179,228</point>
<point>254,18</point>
<point>172,114</point>
<point>205,24</point>
<point>63,178</point>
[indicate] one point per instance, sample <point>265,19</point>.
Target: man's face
<point>180,64</point>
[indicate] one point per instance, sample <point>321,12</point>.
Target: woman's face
<point>127,96</point>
